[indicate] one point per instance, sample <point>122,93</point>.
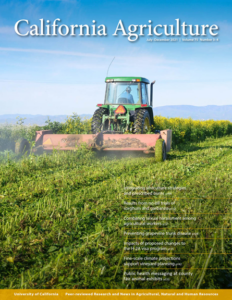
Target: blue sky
<point>61,75</point>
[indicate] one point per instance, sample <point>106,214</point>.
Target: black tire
<point>160,151</point>
<point>96,125</point>
<point>22,146</point>
<point>142,122</point>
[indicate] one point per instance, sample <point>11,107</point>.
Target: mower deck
<point>48,141</point>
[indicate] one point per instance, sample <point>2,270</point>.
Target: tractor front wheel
<point>160,151</point>
<point>96,125</point>
<point>142,122</point>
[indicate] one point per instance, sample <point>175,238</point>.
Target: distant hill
<point>215,112</point>
<point>36,119</point>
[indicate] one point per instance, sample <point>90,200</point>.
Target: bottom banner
<point>115,294</point>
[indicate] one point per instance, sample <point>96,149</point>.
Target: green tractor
<point>126,107</point>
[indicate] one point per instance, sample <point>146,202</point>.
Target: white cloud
<point>143,58</point>
<point>55,52</point>
<point>57,62</point>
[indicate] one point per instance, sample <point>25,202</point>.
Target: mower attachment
<point>102,141</point>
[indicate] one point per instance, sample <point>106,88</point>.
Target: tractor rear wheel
<point>96,125</point>
<point>22,146</point>
<point>160,151</point>
<point>142,122</point>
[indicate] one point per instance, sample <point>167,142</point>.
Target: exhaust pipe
<point>151,93</point>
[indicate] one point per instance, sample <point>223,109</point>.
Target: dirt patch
<point>124,143</point>
<point>72,141</point>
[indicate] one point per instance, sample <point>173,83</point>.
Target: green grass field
<point>62,225</point>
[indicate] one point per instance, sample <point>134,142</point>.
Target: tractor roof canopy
<point>135,79</point>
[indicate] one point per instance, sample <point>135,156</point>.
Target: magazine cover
<point>115,149</point>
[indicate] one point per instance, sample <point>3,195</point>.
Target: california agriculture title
<point>133,32</point>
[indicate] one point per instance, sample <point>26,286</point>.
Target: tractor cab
<point>127,92</point>
<point>126,106</point>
